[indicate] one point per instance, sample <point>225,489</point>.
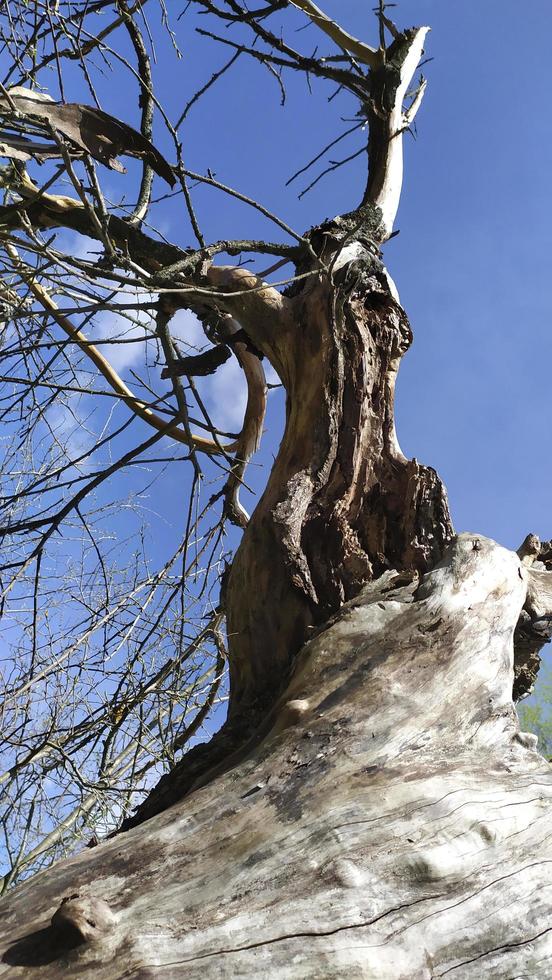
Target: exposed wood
<point>534,628</point>
<point>382,824</point>
<point>389,119</point>
<point>342,503</point>
<point>88,128</point>
<point>362,51</point>
<point>370,809</point>
<point>253,422</point>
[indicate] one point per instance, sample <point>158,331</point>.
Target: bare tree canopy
<point>368,805</point>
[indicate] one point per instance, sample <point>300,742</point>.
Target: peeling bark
<point>388,821</point>
<point>342,504</point>
<point>370,808</point>
<point>87,128</point>
<point>534,628</point>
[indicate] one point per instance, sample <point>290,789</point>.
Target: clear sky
<point>473,258</point>
<point>472,261</point>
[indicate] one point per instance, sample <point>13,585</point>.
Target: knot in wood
<point>83,918</point>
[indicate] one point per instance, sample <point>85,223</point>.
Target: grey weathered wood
<point>387,820</point>
<point>390,821</point>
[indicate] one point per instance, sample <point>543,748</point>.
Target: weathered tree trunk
<point>342,504</point>
<point>370,809</point>
<point>392,822</point>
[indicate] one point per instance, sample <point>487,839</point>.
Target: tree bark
<point>342,504</point>
<point>389,821</point>
<point>370,808</point>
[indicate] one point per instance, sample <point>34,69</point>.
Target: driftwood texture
<point>389,821</point>
<point>370,809</point>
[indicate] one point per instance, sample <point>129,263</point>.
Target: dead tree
<point>370,808</point>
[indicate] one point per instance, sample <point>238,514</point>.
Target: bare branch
<point>363,52</point>
<point>388,121</point>
<point>146,103</point>
<point>105,368</point>
<point>90,129</point>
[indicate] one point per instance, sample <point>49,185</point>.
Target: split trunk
<point>371,808</point>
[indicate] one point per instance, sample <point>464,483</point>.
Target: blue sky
<point>473,258</point>
<point>472,261</point>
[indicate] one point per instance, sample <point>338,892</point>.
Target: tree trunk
<point>392,823</point>
<point>342,504</point>
<point>370,809</point>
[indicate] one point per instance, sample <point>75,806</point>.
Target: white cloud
<point>77,246</point>
<point>271,376</point>
<point>224,393</point>
<point>186,328</point>
<point>70,426</point>
<point>226,396</point>
<point>134,338</point>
